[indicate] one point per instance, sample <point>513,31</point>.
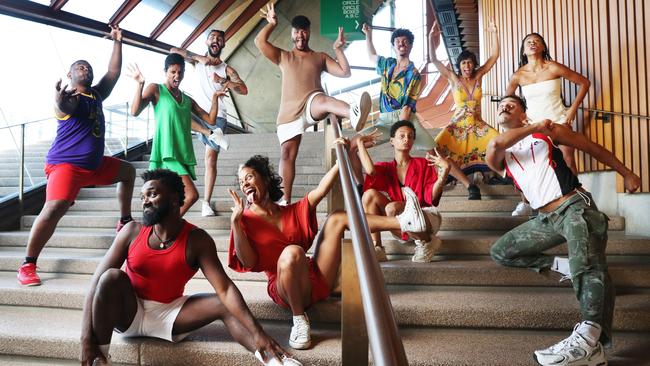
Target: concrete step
<point>212,345</point>
<point>446,270</point>
<point>454,242</point>
<point>223,204</point>
<point>438,306</point>
<point>450,221</point>
<point>220,190</point>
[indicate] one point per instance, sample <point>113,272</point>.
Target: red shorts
<point>320,290</point>
<point>65,180</point>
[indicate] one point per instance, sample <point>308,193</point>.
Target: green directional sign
<point>349,14</point>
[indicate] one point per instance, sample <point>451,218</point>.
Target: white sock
<point>104,349</point>
<point>590,331</point>
<point>299,317</point>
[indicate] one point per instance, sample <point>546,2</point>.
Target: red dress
<point>299,227</point>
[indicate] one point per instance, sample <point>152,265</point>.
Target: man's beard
<point>217,54</point>
<point>155,214</point>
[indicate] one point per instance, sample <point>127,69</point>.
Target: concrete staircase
<point>462,309</point>
<point>34,162</point>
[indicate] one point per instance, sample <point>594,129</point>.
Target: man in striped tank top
<point>529,154</point>
<point>147,298</point>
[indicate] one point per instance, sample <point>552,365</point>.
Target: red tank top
<point>159,275</point>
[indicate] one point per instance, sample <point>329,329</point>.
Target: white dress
<point>544,101</point>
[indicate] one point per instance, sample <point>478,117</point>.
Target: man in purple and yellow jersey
<point>76,158</point>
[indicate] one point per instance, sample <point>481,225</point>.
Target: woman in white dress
<point>540,80</point>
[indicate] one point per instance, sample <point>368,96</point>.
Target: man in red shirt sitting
<point>146,299</point>
<point>386,183</point>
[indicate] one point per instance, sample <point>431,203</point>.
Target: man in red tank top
<point>162,254</point>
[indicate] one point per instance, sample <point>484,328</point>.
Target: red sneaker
<point>27,275</point>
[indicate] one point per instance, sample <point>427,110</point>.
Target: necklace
<point>163,243</point>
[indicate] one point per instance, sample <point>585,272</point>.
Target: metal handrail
<point>21,149</point>
<point>385,344</point>
<point>493,98</point>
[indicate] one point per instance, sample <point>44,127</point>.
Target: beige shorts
<point>156,319</point>
<point>289,130</point>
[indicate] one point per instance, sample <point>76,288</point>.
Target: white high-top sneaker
<point>412,218</point>
<point>574,350</point>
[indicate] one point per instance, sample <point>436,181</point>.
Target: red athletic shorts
<point>320,290</point>
<point>65,180</point>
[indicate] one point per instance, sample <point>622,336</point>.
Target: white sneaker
<point>380,253</point>
<point>424,251</point>
<point>286,361</point>
<point>99,361</point>
<point>522,209</point>
<point>300,337</point>
<point>412,218</point>
<point>359,111</point>
<point>561,266</point>
<point>572,351</point>
<point>206,209</point>
<point>219,138</point>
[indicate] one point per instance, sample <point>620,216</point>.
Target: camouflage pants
<point>584,229</point>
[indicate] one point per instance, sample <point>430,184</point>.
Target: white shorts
<point>289,130</point>
<point>156,319</point>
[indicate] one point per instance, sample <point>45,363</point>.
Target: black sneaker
<point>473,192</point>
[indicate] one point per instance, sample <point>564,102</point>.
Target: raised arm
<point>141,98</point>
<point>114,258</point>
<point>262,39</point>
<point>245,252</point>
<point>339,67</point>
<point>190,56</point>
<point>231,298</point>
<point>106,84</point>
<point>234,82</point>
<point>211,117</point>
<point>513,83</point>
<point>563,135</point>
<point>324,186</point>
<point>492,28</point>
<point>496,149</point>
<point>370,48</point>
<point>442,166</point>
<point>434,42</point>
<point>65,101</point>
<point>363,142</point>
<point>575,78</point>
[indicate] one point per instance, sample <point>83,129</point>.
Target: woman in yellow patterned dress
<point>466,137</point>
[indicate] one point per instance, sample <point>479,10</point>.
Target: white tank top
<point>539,170</point>
<point>544,101</point>
<point>208,86</point>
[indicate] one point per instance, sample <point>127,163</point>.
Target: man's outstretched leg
<point>125,180</point>
<point>41,232</point>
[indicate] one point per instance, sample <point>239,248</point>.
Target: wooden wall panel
<point>604,40</point>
